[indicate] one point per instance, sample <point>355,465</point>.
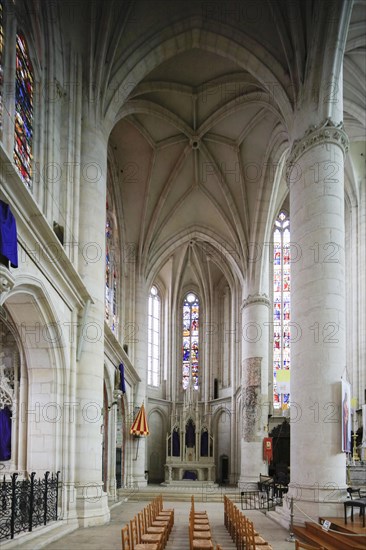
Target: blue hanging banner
<point>122,384</point>
<point>8,235</point>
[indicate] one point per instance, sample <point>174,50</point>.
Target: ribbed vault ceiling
<point>191,147</point>
<point>199,137</point>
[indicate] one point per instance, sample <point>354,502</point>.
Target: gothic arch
<point>42,403</point>
<point>208,36</point>
<point>156,444</point>
<point>223,438</point>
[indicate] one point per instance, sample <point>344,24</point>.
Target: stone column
<point>318,348</point>
<point>254,394</point>
<point>139,448</point>
<point>91,501</point>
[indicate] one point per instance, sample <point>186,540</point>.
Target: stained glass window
<point>190,349</point>
<point>23,112</point>
<point>111,271</point>
<point>281,311</point>
<point>153,342</point>
<point>1,63</point>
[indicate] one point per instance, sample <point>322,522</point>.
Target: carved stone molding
<point>6,391</point>
<point>6,280</point>
<point>261,299</point>
<point>251,385</point>
<point>327,132</point>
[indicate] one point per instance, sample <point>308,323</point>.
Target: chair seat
<point>158,530</point>
<point>259,540</point>
<point>198,527</point>
<point>201,534</point>
<point>150,538</point>
<point>200,520</point>
<point>202,544</point>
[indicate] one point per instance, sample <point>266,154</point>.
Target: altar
<point>189,444</point>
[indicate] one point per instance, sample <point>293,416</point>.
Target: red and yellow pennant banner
<point>139,426</point>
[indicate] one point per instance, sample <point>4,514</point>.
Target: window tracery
<point>23,111</point>
<point>190,349</point>
<point>281,311</point>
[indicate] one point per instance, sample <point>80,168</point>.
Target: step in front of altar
<point>194,483</point>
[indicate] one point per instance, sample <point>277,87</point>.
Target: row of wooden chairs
<point>241,529</point>
<point>149,529</point>
<point>244,535</point>
<point>199,530</point>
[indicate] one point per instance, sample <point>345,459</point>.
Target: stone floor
<point>108,537</point>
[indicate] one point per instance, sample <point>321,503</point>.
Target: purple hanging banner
<point>5,434</point>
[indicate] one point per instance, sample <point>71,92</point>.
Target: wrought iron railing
<point>27,503</point>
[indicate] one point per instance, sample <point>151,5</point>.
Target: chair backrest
<point>141,524</point>
<point>354,493</point>
<point>249,535</point>
<point>303,545</point>
<point>134,533</point>
<point>147,514</point>
<point>126,542</point>
<point>154,510</point>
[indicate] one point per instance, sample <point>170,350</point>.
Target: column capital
<point>324,133</point>
<point>259,299</point>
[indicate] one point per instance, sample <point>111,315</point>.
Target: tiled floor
<point>108,537</point>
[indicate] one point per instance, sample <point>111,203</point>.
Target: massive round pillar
<point>139,458</point>
<point>91,501</point>
<point>254,392</point>
<point>318,352</point>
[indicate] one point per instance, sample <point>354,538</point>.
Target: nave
<point>108,537</point>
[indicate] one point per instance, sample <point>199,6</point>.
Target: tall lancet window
<point>23,141</point>
<point>153,342</point>
<point>191,341</point>
<point>281,312</point>
<point>111,269</point>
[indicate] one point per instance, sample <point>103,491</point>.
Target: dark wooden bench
<point>358,502</point>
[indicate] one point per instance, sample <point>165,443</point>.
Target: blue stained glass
<point>190,349</point>
<point>111,274</point>
<point>23,155</point>
<point>281,304</point>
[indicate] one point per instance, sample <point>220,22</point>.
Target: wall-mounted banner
<point>267,449</point>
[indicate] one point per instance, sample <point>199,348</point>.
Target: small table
<point>357,503</point>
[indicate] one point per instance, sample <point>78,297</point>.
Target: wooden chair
<point>126,542</point>
<point>166,520</point>
<point>202,535</point>
<point>147,537</point>
<point>252,541</point>
<point>165,512</point>
<point>198,514</point>
<point>305,546</point>
<point>155,520</point>
<point>199,544</point>
<point>135,541</point>
<point>155,529</point>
